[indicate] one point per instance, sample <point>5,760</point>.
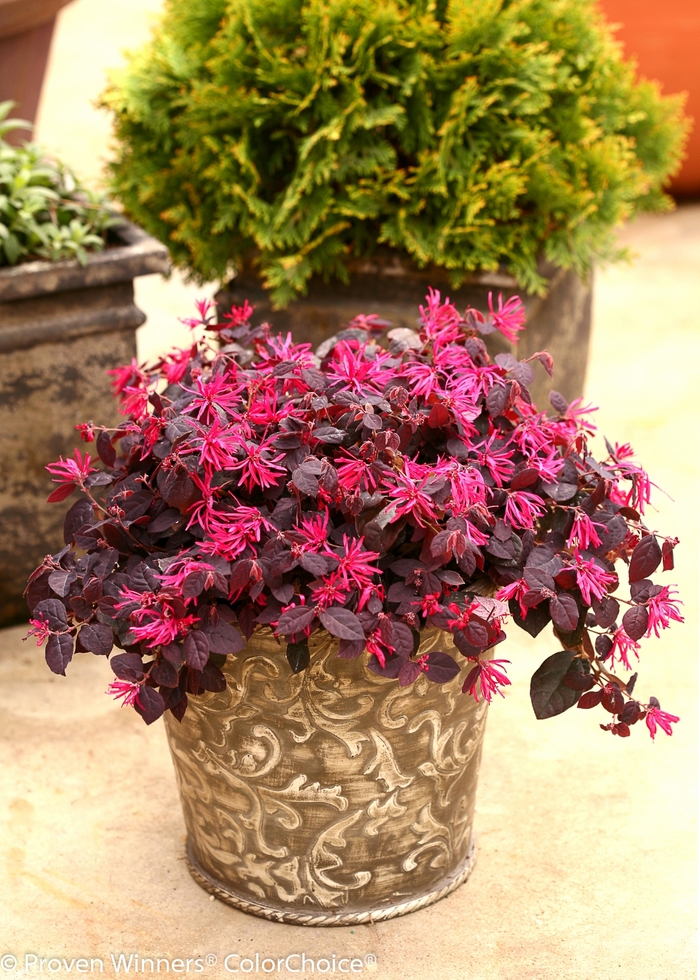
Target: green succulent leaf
<point>44,211</point>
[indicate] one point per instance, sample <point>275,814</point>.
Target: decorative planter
<point>26,30</point>
<point>393,288</point>
<point>664,39</point>
<point>329,797</point>
<point>62,326</point>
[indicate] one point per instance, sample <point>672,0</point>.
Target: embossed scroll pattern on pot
<point>329,797</point>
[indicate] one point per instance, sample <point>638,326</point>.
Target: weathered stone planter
<point>330,797</point>
<point>62,326</point>
<point>389,286</point>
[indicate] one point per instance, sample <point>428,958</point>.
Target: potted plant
<point>340,157</point>
<point>67,312</point>
<point>305,563</point>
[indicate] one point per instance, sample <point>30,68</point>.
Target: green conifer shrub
<point>468,134</point>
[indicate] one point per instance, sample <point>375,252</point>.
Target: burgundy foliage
<point>368,491</point>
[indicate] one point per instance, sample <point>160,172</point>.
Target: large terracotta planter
<point>330,797</point>
<point>62,326</point>
<point>26,30</point>
<point>393,288</point>
<point>664,38</point>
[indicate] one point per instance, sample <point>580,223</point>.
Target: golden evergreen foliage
<point>469,134</point>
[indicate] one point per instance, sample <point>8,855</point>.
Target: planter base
<point>272,913</point>
<point>62,326</point>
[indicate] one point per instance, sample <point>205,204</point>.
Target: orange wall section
<point>664,37</point>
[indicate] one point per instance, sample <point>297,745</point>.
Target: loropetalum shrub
<point>366,491</point>
<point>300,133</point>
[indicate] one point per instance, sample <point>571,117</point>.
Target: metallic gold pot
<point>330,797</point>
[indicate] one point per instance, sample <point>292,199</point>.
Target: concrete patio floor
<point>587,847</point>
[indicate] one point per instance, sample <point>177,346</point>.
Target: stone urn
<point>62,326</point>
<point>329,797</point>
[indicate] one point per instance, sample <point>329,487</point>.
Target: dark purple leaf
<point>305,482</point>
<point>611,533</point>
<point>537,577</point>
<point>59,652</point>
<point>61,581</point>
<point>524,478</point>
<point>212,678</point>
<point>174,653</point>
<point>240,574</point>
<point>128,666</point>
<point>81,608</point>
<point>402,639</point>
<point>342,623</point>
<point>635,622</point>
<point>545,360</point>
<point>351,649</point>
<point>53,612</point>
<point>404,566</point>
<point>440,667</point>
<point>477,634</point>
<point>558,402</point>
<point>38,588</point>
<point>497,400</point>
<point>180,427</point>
<point>591,699</point>
<point>398,592</point>
<point>642,591</point>
<point>298,655</point>
<point>165,673</point>
<point>246,619</point>
<point>164,521</point>
<point>408,673</point>
<point>97,638</point>
<point>548,695</point>
<point>603,646</point>
<point>566,578</point>
<point>270,614</point>
<point>564,612</point>
<point>78,515</point>
<point>60,493</point>
<point>316,380</point>
<point>196,647</point>
<point>150,704</point>
<point>100,479</point>
<point>560,492</point>
<point>317,565</point>
<point>105,449</point>
<point>606,611</point>
<point>449,577</point>
<point>295,620</point>
<point>612,699</point>
<point>136,505</point>
<point>667,553</point>
<point>578,677</point>
<point>390,669</point>
<point>176,487</point>
<point>646,558</point>
<point>329,434</point>
<point>224,638</point>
